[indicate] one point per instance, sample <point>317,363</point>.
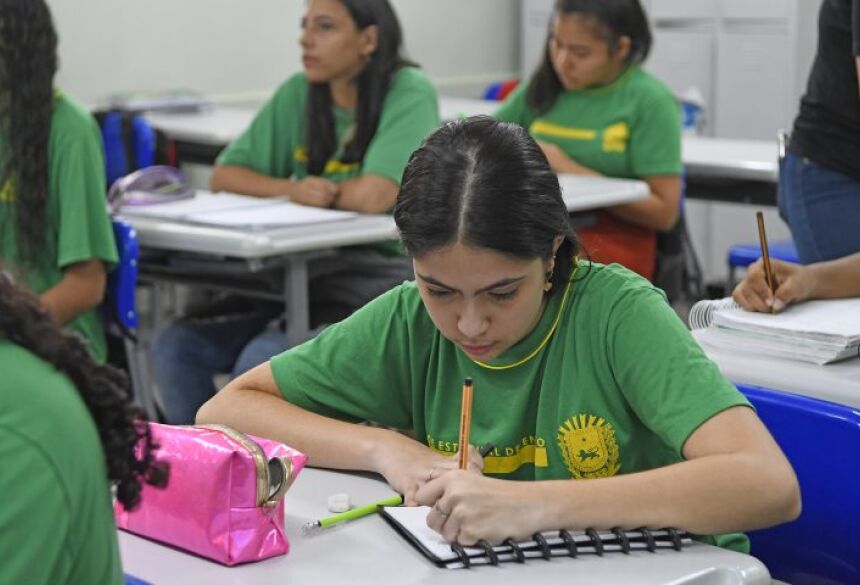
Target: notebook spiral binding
<point>702,314</point>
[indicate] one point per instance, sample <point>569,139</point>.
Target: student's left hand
<point>467,507</point>
<point>560,162</point>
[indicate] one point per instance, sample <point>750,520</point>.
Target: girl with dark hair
<point>594,111</point>
<point>55,234</point>
<point>581,371</point>
<point>336,135</point>
<point>67,427</point>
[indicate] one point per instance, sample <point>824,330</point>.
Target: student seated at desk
<point>67,428</point>
<point>581,371</point>
<point>55,234</point>
<point>594,111</point>
<point>337,135</point>
<point>797,283</point>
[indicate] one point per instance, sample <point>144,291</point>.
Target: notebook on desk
<point>411,523</point>
<point>815,331</point>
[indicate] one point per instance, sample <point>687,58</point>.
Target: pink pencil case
<point>224,499</point>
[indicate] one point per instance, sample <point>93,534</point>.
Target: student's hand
<point>560,162</point>
<point>467,507</point>
<point>795,283</point>
<point>407,465</point>
<point>314,191</point>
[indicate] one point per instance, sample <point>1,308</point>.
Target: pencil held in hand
<point>765,254</point>
<point>465,423</point>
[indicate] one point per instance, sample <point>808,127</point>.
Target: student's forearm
<point>367,194</point>
<point>835,279</point>
<point>717,494</point>
<point>328,442</point>
<point>236,179</point>
<point>81,289</point>
<point>653,213</point>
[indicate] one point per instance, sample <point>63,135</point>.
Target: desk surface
<point>725,158</point>
<point>580,194</point>
<point>839,382</point>
<point>368,551</point>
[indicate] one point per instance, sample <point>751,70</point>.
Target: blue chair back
<point>822,441</point>
<point>742,255</point>
<point>123,278</point>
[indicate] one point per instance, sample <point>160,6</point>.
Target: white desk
<point>755,160</point>
<point>839,382</point>
<point>369,551</point>
<point>216,126</point>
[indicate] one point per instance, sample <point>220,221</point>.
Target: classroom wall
<point>239,50</point>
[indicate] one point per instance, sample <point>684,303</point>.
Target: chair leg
<point>141,381</point>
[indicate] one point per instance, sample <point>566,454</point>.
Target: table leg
<point>296,297</point>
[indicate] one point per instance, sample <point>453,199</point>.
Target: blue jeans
<point>821,207</point>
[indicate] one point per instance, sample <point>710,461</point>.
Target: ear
<point>369,40</point>
<point>556,244</point>
<point>622,48</point>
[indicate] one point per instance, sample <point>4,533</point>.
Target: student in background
<point>834,279</point>
<point>336,135</point>
<point>819,185</point>
<point>55,234</point>
<point>67,428</point>
<point>594,111</point>
<point>581,371</point>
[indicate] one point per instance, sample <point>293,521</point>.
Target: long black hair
<point>28,63</point>
<point>609,19</point>
<point>486,184</point>
<point>104,389</point>
<point>373,84</point>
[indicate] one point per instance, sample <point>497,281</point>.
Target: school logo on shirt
<point>332,167</point>
<point>588,446</point>
<point>615,137</point>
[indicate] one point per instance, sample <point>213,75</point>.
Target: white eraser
<point>338,503</point>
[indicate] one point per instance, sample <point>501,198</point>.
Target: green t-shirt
<point>56,521</point>
<point>77,224</point>
<point>619,387</point>
<point>630,128</point>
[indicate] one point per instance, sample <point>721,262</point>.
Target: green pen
<point>353,514</point>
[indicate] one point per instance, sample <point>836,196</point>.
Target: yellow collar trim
<point>546,338</point>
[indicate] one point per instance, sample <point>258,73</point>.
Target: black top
<point>827,130</point>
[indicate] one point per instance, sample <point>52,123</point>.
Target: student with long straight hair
<point>68,428</point>
<point>55,234</point>
<point>336,135</point>
<point>594,111</point>
<point>581,371</point>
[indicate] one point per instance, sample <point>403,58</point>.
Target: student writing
<point>67,429</point>
<point>336,135</point>
<point>55,234</point>
<point>581,371</point>
<point>594,111</point>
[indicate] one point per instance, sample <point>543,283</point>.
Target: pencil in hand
<point>769,276</point>
<point>465,423</point>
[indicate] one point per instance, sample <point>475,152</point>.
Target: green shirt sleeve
<point>409,113</point>
<point>356,370</point>
<point>664,374</point>
<point>655,141</point>
<point>84,229</point>
<point>267,146</point>
<point>515,109</point>
<point>35,524</point>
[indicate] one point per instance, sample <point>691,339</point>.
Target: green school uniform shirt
<point>77,225</point>
<point>56,521</point>
<point>630,128</point>
<point>619,387</point>
<point>275,142</point>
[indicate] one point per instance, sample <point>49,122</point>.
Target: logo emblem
<point>588,446</point>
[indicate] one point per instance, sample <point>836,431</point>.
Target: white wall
<point>239,50</point>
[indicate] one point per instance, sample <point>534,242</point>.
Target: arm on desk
<point>735,478</point>
<point>252,403</point>
<point>81,289</point>
<point>834,279</point>
<point>314,191</point>
<point>367,194</point>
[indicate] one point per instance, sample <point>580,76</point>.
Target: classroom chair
<point>120,308</point>
<point>742,255</point>
<point>821,441</point>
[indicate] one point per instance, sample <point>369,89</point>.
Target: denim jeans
<point>189,352</point>
<point>821,207</point>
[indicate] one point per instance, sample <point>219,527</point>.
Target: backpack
<point>131,143</point>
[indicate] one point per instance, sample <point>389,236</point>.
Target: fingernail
<point>778,305</point>
<point>768,302</point>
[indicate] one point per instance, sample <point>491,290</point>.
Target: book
<point>820,332</point>
<point>410,522</point>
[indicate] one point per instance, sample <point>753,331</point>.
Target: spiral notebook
<point>815,331</point>
<point>411,523</point>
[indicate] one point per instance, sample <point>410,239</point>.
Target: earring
<point>547,286</point>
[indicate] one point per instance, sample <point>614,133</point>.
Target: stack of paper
<point>238,211</point>
<point>815,331</point>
